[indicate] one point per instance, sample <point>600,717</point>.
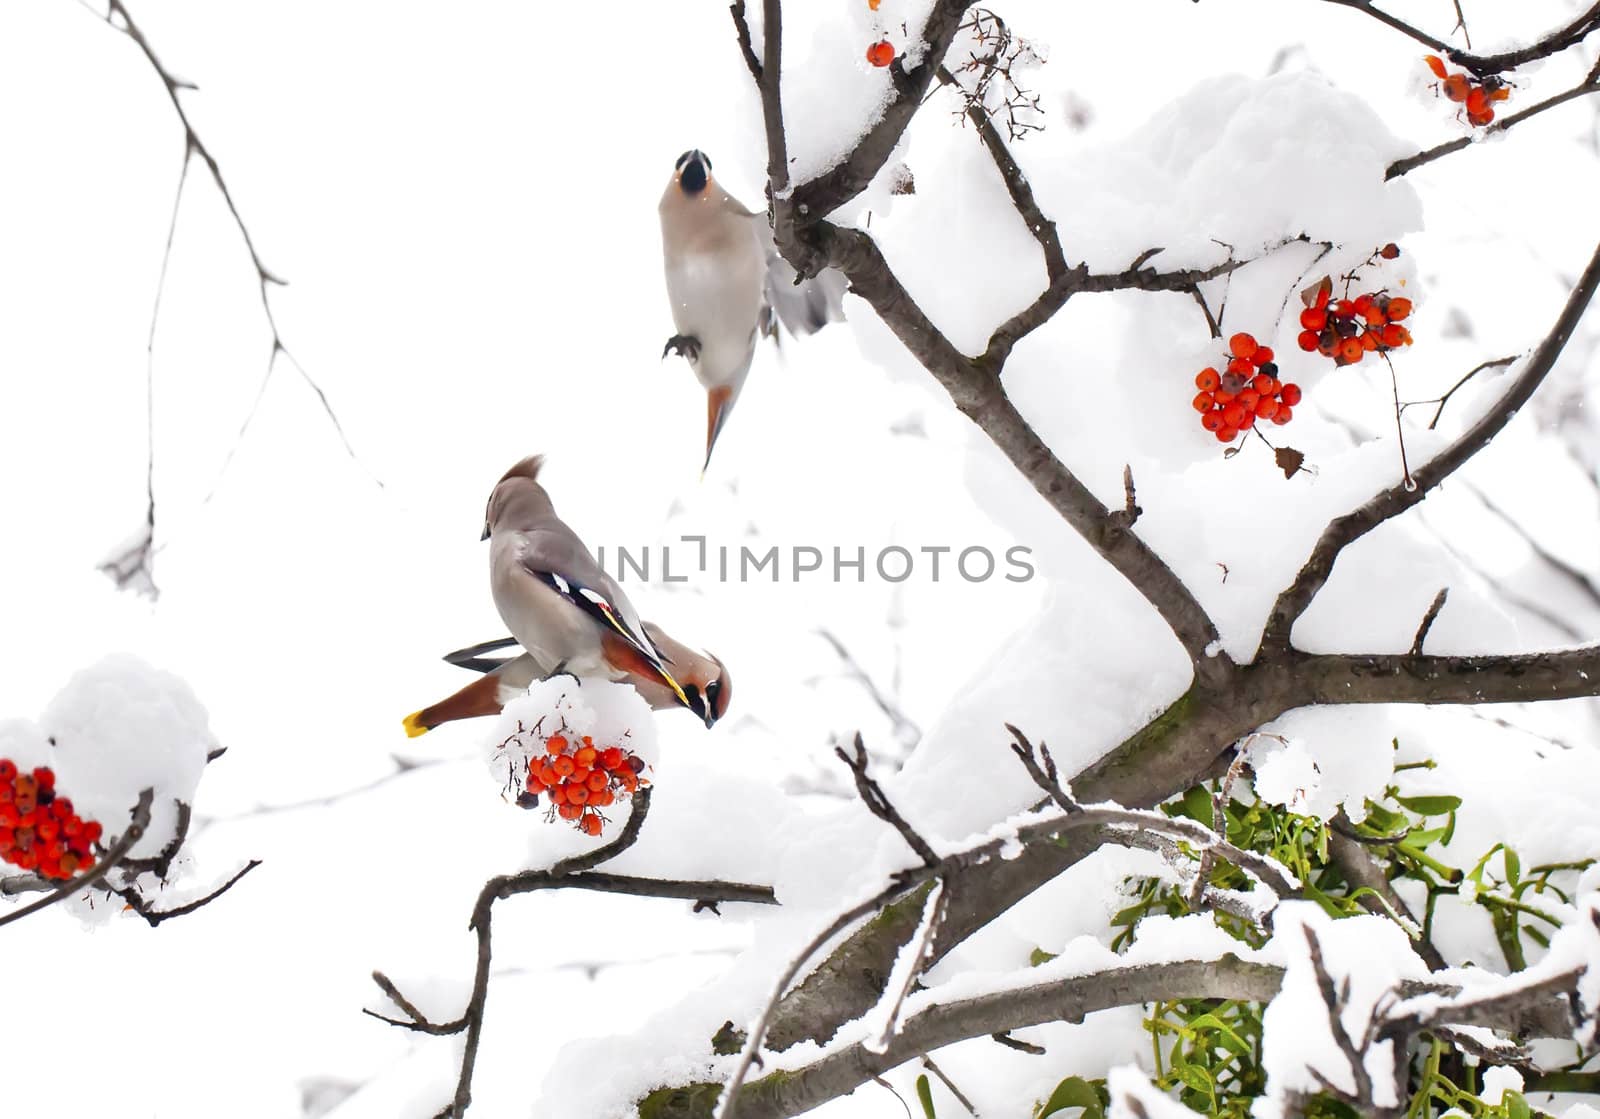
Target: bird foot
<point>561,670</point>
<point>684,345</point>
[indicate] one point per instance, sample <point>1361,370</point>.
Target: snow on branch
<point>1227,701</point>
<point>1110,823</point>
<point>1515,1004</point>
<point>576,872</point>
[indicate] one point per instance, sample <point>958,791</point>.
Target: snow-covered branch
<point>576,872</point>
<point>1535,1009</point>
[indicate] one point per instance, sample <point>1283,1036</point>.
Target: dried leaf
<point>1322,288</point>
<point>1289,460</point>
<point>901,181</point>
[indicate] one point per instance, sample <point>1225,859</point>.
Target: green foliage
<point>1075,1091</point>
<point>1207,1052</point>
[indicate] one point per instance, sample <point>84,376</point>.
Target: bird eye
<point>684,158</point>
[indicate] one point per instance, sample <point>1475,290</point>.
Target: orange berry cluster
<point>1347,330</point>
<point>583,778</point>
<point>39,831</point>
<point>1478,95</point>
<point>1248,389</point>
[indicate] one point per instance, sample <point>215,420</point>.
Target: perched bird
<point>703,677</point>
<point>565,611</point>
<point>729,286</point>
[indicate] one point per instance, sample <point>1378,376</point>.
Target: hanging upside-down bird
<point>569,616</point>
<point>729,286</point>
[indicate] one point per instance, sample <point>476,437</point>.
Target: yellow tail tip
<point>413,725</point>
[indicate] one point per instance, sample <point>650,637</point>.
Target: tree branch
<point>790,1092</point>
<point>820,196</point>
<point>1344,530</point>
<point>1412,162</point>
<point>978,394</point>
<point>1042,228</point>
<point>1485,64</point>
<point>1403,678</point>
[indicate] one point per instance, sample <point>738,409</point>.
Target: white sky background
<point>462,198</point>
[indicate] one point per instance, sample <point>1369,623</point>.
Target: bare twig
<point>905,729</point>
<point>878,803</point>
<point>1044,775</point>
<point>961,1097</point>
<point>1445,399</point>
<point>121,20</point>
<point>1129,513</point>
<point>932,916</point>
<point>140,905</point>
<point>742,29</point>
<point>1412,162</point>
<point>1005,1038</point>
<point>1336,1001</point>
<point>1428,619</point>
<point>1042,228</point>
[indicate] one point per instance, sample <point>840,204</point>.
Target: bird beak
<point>485,535</point>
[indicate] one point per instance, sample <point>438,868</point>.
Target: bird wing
<point>805,307</point>
<point>473,655</point>
<point>560,561</point>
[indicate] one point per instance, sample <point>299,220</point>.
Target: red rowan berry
<point>1207,380</point>
<point>880,53</point>
<point>1289,394</point>
<point>1242,345</point>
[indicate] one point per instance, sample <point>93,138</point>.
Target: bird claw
<point>561,670</point>
<point>684,345</point>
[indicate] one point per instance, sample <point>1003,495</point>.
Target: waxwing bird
<point>703,677</point>
<point>729,286</point>
<point>560,605</point>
